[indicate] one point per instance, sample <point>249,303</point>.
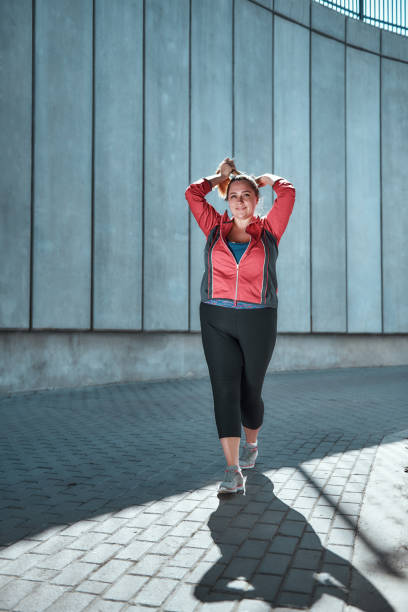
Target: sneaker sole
<point>231,490</point>
<point>247,467</point>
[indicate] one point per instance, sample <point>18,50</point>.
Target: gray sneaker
<point>233,480</point>
<point>248,456</point>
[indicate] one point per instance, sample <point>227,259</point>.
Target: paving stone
<point>111,570</point>
<point>291,528</point>
<point>284,544</point>
<point>60,559</point>
<point>344,537</point>
<point>124,535</point>
<point>71,602</point>
<point>182,600</point>
<point>156,591</point>
<point>263,531</point>
<point>185,528</point>
<point>19,566</point>
<point>143,520</point>
<point>253,548</point>
<point>299,580</point>
<point>350,497</point>
<point>41,598</point>
<point>74,573</point>
<point>16,550</point>
<point>307,559</point>
<point>274,563</point>
<point>310,541</point>
<point>305,502</point>
<point>205,573</point>
<point>214,554</point>
<point>240,566</point>
<point>265,586</point>
<point>154,533</point>
<point>321,525</point>
<point>324,602</point>
<point>343,552</point>
<point>186,557</point>
<point>201,539</point>
<point>169,571</point>
<point>134,551</point>
<point>99,605</point>
<point>253,606</point>
<point>323,511</point>
<point>125,588</point>
<point>13,592</point>
<point>4,580</point>
<point>149,565</point>
<point>92,586</point>
<point>88,540</point>
<point>54,545</point>
<point>101,553</point>
<point>78,528</point>
<point>168,546</point>
<point>214,603</point>
<point>40,574</point>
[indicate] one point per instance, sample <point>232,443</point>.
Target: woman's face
<point>242,199</point>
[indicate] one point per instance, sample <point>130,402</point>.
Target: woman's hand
<point>226,167</point>
<point>266,179</point>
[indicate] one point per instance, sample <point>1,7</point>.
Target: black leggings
<point>238,346</point>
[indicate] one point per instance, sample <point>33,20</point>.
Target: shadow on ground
<point>296,565</point>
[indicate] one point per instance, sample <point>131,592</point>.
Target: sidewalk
<point>108,498</point>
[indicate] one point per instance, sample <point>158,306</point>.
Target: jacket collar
<point>254,227</point>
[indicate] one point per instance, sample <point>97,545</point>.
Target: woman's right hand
<point>226,167</point>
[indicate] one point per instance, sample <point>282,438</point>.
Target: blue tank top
<point>237,249</point>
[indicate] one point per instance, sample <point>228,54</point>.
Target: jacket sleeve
<point>278,217</point>
<point>205,214</point>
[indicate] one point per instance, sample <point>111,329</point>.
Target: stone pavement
<point>108,498</point>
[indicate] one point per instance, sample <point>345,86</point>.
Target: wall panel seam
<point>273,98</point>
<point>143,145</point>
<point>189,173</point>
<point>233,81</point>
<point>92,301</point>
<point>30,314</point>
<point>310,179</point>
<point>345,179</point>
<point>381,191</point>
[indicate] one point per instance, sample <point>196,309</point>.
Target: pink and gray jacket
<point>254,278</point>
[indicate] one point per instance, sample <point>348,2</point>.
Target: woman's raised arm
<point>278,217</point>
<point>205,214</point>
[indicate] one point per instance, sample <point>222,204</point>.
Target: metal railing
<point>386,14</point>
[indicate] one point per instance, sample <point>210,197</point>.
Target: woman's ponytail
<point>223,187</point>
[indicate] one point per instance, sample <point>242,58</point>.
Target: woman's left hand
<point>263,180</point>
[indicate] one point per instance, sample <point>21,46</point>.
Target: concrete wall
<point>107,112</point>
<point>50,359</point>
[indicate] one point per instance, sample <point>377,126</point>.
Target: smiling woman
<point>238,309</point>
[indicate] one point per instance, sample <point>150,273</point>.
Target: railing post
<point>361,9</point>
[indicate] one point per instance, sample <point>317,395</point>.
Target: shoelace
<point>229,474</point>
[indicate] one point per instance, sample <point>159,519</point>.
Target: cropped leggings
<point>238,346</point>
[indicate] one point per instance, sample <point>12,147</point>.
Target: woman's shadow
<point>270,552</point>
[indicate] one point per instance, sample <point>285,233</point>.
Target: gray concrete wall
<point>45,359</point>
<point>106,115</point>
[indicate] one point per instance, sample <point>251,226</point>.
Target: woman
<point>238,309</point>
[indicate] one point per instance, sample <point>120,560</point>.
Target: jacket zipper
<point>236,286</point>
<point>237,264</point>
